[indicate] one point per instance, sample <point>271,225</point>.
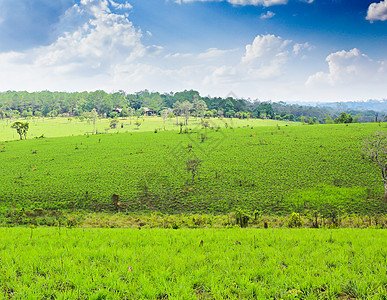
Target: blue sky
<point>289,50</point>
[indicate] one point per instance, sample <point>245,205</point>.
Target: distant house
<point>118,110</point>
<point>149,112</point>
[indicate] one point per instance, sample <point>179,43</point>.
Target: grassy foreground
<point>59,263</point>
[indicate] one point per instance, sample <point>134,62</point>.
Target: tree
<point>138,123</point>
<point>230,113</point>
<point>266,108</point>
<point>186,108</point>
<point>93,115</point>
<point>113,123</point>
<point>52,113</point>
<point>25,114</point>
<point>21,128</point>
<point>124,112</point>
<point>375,148</point>
<point>200,107</point>
<point>130,113</point>
<point>177,110</point>
<point>328,119</point>
<point>344,118</point>
<point>192,166</point>
<point>164,114</point>
<point>208,114</point>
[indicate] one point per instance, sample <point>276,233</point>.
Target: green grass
<point>271,170</point>
<point>264,169</point>
<point>54,263</point>
<point>59,127</point>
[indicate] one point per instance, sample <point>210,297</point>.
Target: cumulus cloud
<point>103,39</point>
<point>265,3</point>
<point>297,48</point>
<point>264,60</point>
<point>350,67</point>
<point>264,46</point>
<point>266,55</point>
<point>125,5</point>
<point>267,15</point>
<point>377,11</point>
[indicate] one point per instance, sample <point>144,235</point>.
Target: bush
<point>242,219</point>
<point>295,220</point>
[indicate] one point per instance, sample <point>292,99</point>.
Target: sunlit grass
<point>58,127</point>
<point>65,263</point>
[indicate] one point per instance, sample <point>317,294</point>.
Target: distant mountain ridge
<point>375,105</point>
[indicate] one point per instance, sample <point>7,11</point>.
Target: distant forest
<point>51,104</point>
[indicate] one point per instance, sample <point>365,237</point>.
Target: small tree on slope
<point>375,148</point>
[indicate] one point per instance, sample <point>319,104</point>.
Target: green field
<point>263,169</point>
<point>63,176</point>
<point>59,127</point>
<point>60,263</point>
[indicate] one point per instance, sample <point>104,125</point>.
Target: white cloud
<point>264,46</point>
<point>264,60</point>
<point>350,67</point>
<point>267,15</point>
<point>125,5</point>
<point>178,55</point>
<point>213,53</point>
<point>297,48</point>
<point>265,3</point>
<point>266,55</point>
<point>104,39</point>
<point>377,11</point>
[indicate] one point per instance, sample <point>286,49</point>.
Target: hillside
<point>271,170</point>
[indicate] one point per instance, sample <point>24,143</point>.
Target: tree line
<point>14,104</point>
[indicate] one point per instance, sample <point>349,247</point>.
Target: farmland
<point>60,263</point>
<point>264,170</point>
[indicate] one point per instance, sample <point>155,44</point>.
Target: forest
<point>121,104</point>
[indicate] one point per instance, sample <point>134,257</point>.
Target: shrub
<point>242,219</point>
<point>295,220</point>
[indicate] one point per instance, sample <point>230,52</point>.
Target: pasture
<point>258,169</point>
<point>59,127</point>
<point>60,263</point>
